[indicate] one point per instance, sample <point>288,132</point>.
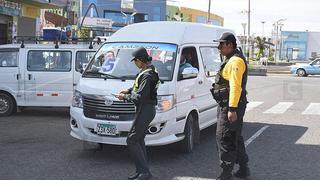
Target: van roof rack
<point>39,40</point>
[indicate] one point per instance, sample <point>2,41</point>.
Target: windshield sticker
<point>148,46</point>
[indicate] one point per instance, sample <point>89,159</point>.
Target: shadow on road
<point>43,149</point>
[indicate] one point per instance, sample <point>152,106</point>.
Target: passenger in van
<point>144,96</point>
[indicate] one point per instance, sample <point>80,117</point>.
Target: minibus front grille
<point>95,107</point>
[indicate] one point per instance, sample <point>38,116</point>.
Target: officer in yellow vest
<point>144,96</point>
<point>230,93</point>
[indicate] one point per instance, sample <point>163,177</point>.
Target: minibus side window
<point>188,59</point>
<point>211,60</point>
<point>9,58</point>
<point>57,61</point>
<point>82,59</point>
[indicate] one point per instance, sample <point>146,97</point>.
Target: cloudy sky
<point>300,15</point>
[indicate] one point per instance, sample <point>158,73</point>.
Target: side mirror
<point>81,70</point>
<point>190,72</point>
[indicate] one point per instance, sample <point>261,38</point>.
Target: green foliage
<point>261,46</point>
<point>271,54</point>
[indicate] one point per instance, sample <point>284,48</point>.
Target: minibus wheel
<point>7,105</point>
<point>187,144</point>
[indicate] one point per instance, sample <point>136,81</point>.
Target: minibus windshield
<point>115,59</point>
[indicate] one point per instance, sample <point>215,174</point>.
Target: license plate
<point>106,129</point>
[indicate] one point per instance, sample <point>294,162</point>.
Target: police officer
<point>229,90</point>
<point>144,96</point>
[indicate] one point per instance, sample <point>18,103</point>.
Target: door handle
<point>18,76</point>
<point>29,76</point>
<point>200,82</point>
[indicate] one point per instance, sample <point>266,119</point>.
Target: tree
<point>261,45</point>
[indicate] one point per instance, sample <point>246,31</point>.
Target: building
<point>124,12</point>
<point>175,13</point>
<point>299,45</point>
<point>16,15</point>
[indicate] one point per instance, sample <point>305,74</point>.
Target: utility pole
<point>209,10</point>
<point>263,28</point>
<point>244,25</point>
<point>248,37</point>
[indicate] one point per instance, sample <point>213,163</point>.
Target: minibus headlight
<point>165,103</point>
<point>77,99</point>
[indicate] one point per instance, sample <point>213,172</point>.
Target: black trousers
<point>135,140</point>
<point>230,142</point>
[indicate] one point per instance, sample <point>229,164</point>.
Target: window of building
<point>211,60</point>
<point>116,16</point>
<point>9,58</point>
<point>156,11</point>
<point>201,19</point>
<point>58,61</point>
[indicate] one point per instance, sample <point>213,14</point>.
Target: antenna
<point>22,43</point>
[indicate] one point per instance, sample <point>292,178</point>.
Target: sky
<point>299,15</point>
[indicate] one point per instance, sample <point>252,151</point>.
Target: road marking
<point>253,104</point>
<point>255,135</point>
<point>313,109</point>
<point>279,108</point>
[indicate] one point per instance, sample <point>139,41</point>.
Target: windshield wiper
<point>128,77</point>
<point>101,75</point>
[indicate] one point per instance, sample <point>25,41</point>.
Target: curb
<point>278,72</point>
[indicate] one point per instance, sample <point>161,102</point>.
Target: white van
<point>185,104</point>
<point>40,75</point>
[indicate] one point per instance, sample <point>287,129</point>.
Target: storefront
<point>293,45</point>
<point>8,21</point>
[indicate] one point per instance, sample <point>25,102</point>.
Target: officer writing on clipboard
<point>144,96</point>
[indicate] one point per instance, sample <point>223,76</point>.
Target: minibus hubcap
<point>3,105</point>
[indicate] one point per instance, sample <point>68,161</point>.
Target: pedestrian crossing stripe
<point>279,108</point>
<point>253,104</point>
<point>282,107</point>
<point>312,109</point>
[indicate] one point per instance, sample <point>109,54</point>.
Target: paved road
<point>36,144</point>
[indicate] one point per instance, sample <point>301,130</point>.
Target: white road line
<point>312,109</point>
<point>253,104</point>
<point>255,135</point>
<point>279,108</point>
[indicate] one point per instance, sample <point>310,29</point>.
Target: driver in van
<point>184,62</point>
<point>144,95</point>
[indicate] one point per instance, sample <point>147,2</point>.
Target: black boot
<point>225,175</point>
<point>243,172</point>
<point>133,175</point>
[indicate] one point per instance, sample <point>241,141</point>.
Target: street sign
<point>96,22</point>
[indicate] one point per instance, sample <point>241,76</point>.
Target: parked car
<point>305,69</point>
<point>41,75</point>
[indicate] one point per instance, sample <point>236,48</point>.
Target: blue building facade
<point>138,11</point>
<point>294,45</point>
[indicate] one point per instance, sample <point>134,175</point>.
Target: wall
<point>294,45</point>
<point>313,44</point>
<point>175,13</point>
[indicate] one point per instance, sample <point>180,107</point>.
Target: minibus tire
<point>7,105</point>
<point>187,144</point>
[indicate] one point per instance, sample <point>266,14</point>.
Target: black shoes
<point>144,176</point>
<point>225,176</point>
<point>133,176</point>
<point>243,172</point>
<point>139,176</point>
